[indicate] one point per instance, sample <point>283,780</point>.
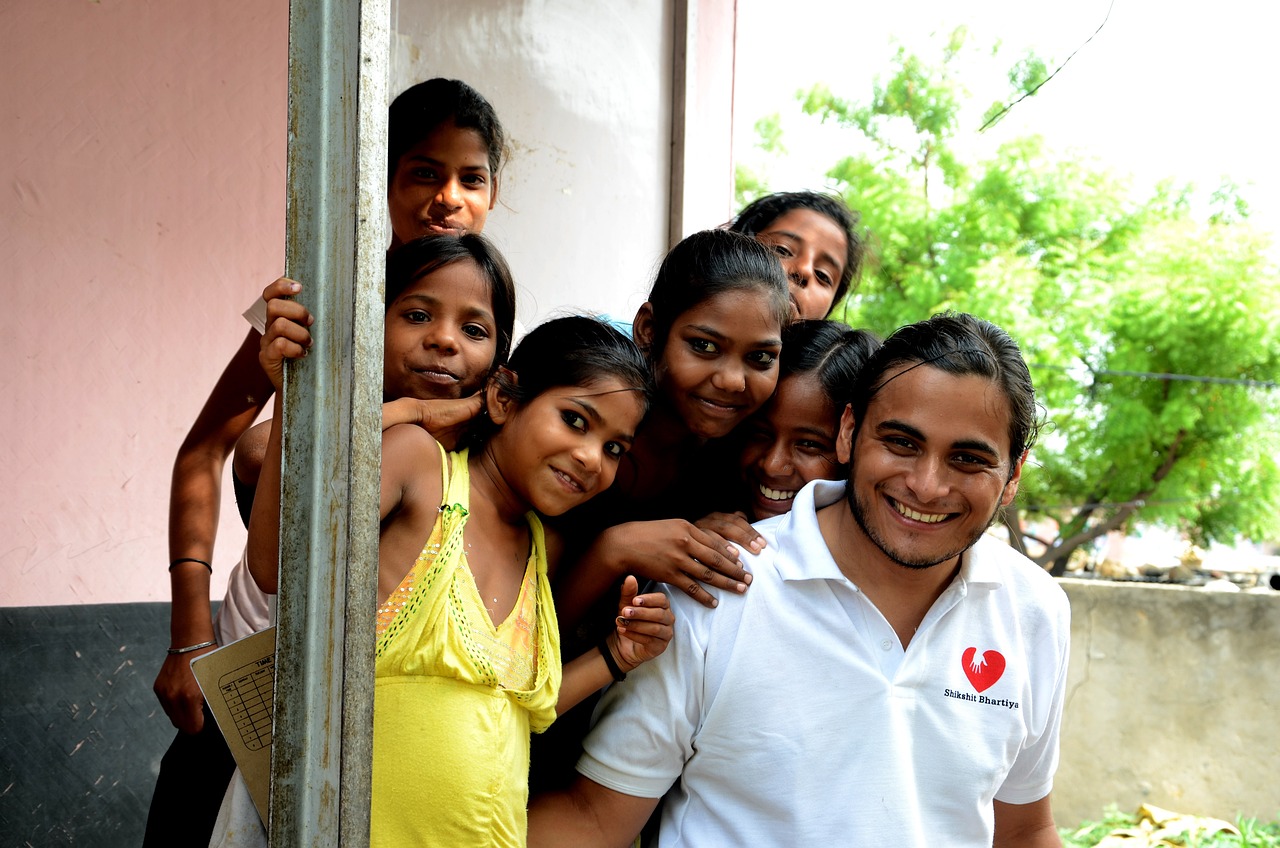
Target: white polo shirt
<point>791,715</point>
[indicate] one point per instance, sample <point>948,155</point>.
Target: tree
<point>1151,329</point>
<point>747,184</point>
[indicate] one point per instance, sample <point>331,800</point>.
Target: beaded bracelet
<point>190,559</point>
<point>618,674</point>
<point>191,648</point>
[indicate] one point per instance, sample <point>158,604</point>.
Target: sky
<point>1165,89</point>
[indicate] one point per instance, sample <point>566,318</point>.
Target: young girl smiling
<point>712,332</point>
<point>468,644</point>
<point>792,439</point>
<point>818,241</point>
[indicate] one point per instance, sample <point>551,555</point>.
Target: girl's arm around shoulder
<point>671,551</point>
<point>410,488</point>
<point>445,418</point>
<point>734,528</point>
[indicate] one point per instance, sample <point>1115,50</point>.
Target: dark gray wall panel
<point>81,734</point>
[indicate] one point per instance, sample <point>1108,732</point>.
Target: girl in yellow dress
<point>468,646</point>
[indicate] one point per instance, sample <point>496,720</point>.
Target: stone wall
<point>1171,699</point>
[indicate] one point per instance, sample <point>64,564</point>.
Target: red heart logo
<point>982,673</point>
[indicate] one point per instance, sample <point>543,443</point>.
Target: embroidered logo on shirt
<point>982,672</point>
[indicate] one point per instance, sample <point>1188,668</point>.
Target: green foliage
<point>1253,834</point>
<point>1098,285</point>
<point>1226,204</point>
<point>1089,834</point>
<point>747,185</point>
<point>1025,78</point>
<point>769,129</point>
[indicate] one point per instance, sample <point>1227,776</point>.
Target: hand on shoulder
<point>675,552</point>
<point>733,527</point>
<point>444,418</point>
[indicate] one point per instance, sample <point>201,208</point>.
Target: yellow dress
<point>455,698</point>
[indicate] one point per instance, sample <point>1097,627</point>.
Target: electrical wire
<point>1158,375</point>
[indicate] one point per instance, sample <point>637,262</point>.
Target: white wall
<point>584,91</point>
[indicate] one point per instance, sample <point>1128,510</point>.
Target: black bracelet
<point>190,559</point>
<point>618,674</point>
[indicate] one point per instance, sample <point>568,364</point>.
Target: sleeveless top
<point>455,697</point>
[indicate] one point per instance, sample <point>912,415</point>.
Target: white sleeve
<point>644,727</point>
<point>1031,777</point>
<point>256,315</point>
<point>245,609</point>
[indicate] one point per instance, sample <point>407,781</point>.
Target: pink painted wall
<point>142,153</point>
<point>142,149</point>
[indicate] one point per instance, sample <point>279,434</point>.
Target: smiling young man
<point>894,676</point>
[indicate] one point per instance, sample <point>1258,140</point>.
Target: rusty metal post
<point>337,237</point>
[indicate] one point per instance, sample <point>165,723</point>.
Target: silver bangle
<point>191,648</point>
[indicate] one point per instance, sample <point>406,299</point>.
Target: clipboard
<point>238,681</point>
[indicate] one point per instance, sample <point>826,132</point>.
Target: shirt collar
<point>803,555</point>
<point>981,564</point>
